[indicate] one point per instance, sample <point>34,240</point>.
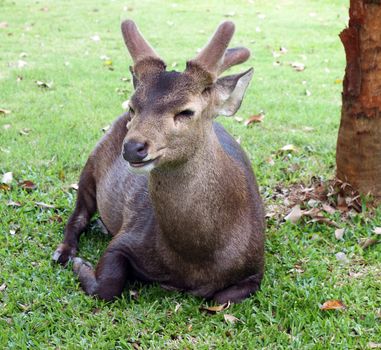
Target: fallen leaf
<point>4,111</point>
<point>230,318</point>
<point>372,345</point>
<point>4,187</point>
<point>95,38</point>
<point>7,178</point>
<point>177,307</point>
<point>299,67</point>
<point>295,214</point>
<point>24,131</point>
<point>333,305</point>
<point>367,242</point>
<point>328,209</point>
<point>56,218</point>
<point>134,294</point>
<point>256,118</point>
<point>3,287</point>
<point>288,148</point>
<point>377,230</point>
<point>11,203</point>
<point>7,126</point>
<point>342,257</point>
<point>125,105</point>
<point>308,92</point>
<point>74,187</point>
<point>21,63</point>
<point>43,84</point>
<point>238,119</point>
<point>44,205</point>
<point>324,220</point>
<point>3,25</point>
<point>217,308</point>
<point>339,233</point>
<point>308,128</point>
<point>27,185</point>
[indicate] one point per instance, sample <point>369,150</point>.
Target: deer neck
<point>196,202</point>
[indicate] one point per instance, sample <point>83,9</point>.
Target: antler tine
<point>210,56</point>
<point>136,44</point>
<point>232,57</point>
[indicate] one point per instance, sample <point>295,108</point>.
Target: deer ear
<point>230,92</point>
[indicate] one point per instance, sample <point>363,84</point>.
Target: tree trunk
<point>358,155</point>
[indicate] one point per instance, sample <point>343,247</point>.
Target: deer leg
<point>239,291</point>
<point>85,207</point>
<point>109,278</point>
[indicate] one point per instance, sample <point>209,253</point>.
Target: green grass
<point>43,306</point>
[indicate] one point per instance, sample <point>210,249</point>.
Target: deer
<point>174,189</point>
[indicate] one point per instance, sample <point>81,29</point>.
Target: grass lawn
<point>75,47</point>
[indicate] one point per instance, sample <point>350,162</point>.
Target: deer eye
<point>187,113</point>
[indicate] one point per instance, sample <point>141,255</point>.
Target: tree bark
<point>358,156</point>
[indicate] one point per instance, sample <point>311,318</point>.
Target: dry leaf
<point>339,233</point>
<point>95,38</point>
<point>372,345</point>
<point>3,287</point>
<point>21,63</point>
<point>43,84</point>
<point>329,209</point>
<point>230,318</point>
<point>299,67</point>
<point>295,214</point>
<point>134,294</point>
<point>377,230</point>
<point>308,92</point>
<point>177,307</point>
<point>24,131</point>
<point>27,185</point>
<point>3,25</point>
<point>308,128</point>
<point>324,220</point>
<point>365,243</point>
<point>4,187</point>
<point>74,187</point>
<point>4,111</point>
<point>7,178</point>
<point>125,105</point>
<point>44,205</point>
<point>11,203</point>
<point>7,126</point>
<point>288,148</point>
<point>342,258</point>
<point>238,119</point>
<point>333,305</point>
<point>257,118</point>
<point>217,308</point>
<point>105,128</point>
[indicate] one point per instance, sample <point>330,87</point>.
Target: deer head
<point>171,113</point>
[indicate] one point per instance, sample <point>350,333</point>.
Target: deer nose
<point>134,151</point>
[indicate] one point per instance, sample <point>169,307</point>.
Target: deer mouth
<point>142,164</point>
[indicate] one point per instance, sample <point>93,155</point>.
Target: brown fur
<point>195,222</point>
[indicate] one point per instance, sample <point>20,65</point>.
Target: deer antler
<point>144,57</point>
<point>214,58</point>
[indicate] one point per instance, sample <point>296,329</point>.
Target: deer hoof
<point>64,253</point>
<point>78,263</point>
